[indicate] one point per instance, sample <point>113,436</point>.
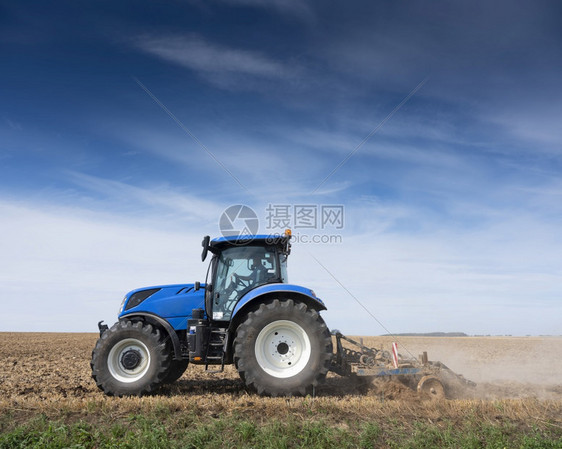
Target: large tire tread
<point>175,371</point>
<point>160,359</point>
<point>244,349</point>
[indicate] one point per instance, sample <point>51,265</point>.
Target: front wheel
<point>130,359</point>
<point>283,349</point>
<point>175,371</point>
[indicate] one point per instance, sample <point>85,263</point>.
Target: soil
<point>53,367</point>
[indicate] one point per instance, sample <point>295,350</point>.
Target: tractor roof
<point>247,239</point>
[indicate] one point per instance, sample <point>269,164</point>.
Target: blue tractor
<point>246,313</point>
<point>249,315</point>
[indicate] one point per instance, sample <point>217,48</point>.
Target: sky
<point>128,128</point>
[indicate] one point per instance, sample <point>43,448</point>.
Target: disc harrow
<point>432,379</point>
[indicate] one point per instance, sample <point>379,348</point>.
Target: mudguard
<point>162,322</point>
<point>289,290</point>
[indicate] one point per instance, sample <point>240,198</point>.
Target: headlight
<point>140,296</point>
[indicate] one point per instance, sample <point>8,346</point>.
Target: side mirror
<point>197,286</point>
<point>205,245</point>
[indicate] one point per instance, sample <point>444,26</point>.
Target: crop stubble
<point>49,372</point>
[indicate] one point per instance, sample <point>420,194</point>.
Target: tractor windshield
<point>240,269</point>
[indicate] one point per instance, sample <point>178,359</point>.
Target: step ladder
<point>218,339</point>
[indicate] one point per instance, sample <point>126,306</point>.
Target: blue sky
<point>452,208</point>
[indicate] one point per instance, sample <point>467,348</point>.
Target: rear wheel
<point>130,359</point>
<point>283,349</point>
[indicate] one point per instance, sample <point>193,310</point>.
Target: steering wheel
<point>239,282</point>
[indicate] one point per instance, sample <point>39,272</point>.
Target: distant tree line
<point>429,334</point>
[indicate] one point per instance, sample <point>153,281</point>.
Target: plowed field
<point>55,367</point>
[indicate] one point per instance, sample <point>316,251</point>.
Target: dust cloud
<point>502,367</point>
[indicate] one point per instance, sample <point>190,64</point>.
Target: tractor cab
<point>239,265</point>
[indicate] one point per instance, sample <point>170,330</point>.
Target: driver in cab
<point>257,276</point>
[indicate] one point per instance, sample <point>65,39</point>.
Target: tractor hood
<point>166,301</point>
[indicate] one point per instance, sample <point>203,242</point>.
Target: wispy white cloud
<point>535,129</point>
<point>341,143</point>
<point>162,199</point>
<point>269,166</point>
<point>208,59</point>
<point>170,143</point>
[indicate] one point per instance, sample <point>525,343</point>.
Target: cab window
<point>239,270</point>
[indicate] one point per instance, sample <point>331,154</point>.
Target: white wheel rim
<point>115,360</point>
<point>282,349</point>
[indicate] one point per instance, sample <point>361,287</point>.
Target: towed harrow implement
<point>430,378</point>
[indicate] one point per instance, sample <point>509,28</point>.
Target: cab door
<point>239,270</point>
